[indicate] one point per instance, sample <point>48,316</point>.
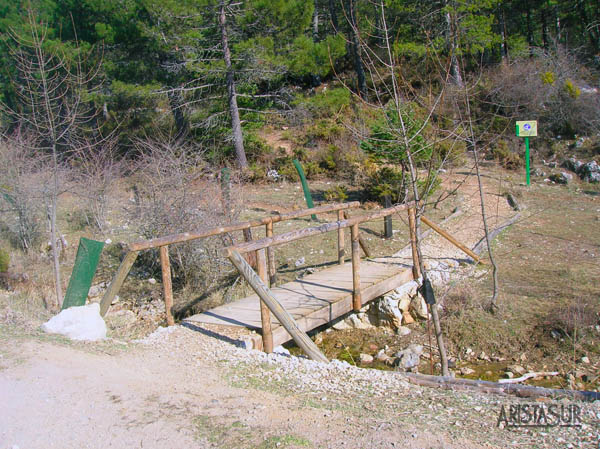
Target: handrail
<point>307,232</point>
<point>187,236</point>
<point>164,242</point>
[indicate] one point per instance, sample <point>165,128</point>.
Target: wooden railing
<point>163,244</point>
<point>260,283</point>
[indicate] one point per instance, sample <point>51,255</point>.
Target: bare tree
<point>405,138</point>
<point>51,110</point>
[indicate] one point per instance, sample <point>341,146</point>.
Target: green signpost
<point>527,129</point>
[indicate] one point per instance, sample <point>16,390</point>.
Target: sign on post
<point>527,129</point>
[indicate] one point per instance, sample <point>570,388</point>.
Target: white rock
<point>365,358</point>
<point>78,323</point>
<point>281,350</point>
<point>341,325</point>
<point>300,262</point>
<point>585,359</point>
<point>152,281</point>
<point>355,322</point>
<point>466,371</point>
<point>419,307</point>
<point>403,331</point>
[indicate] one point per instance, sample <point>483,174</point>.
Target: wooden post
<point>412,226</point>
<point>271,256</point>
<point>274,306</point>
<point>250,257</point>
<point>451,239</point>
<point>388,233</point>
<point>265,315</point>
<point>363,244</point>
<point>117,281</point>
<point>165,265</point>
<point>356,296</point>
<point>341,242</point>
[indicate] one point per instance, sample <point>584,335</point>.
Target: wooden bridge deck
<point>313,300</point>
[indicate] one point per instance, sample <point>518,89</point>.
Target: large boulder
<point>572,164</point>
<point>78,323</point>
<point>590,172</point>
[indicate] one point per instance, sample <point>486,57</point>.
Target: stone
<point>403,331</point>
<point>281,350</point>
<point>585,360</point>
<point>517,369</point>
<point>355,322</point>
<point>407,318</point>
<point>152,281</point>
<point>561,178</point>
<point>419,307</point>
<point>341,325</point>
<point>388,311</point>
<point>300,262</point>
<point>404,303</point>
<point>509,375</point>
<point>466,371</point>
<point>406,360</point>
<point>590,172</point>
<point>82,323</point>
<point>572,164</point>
<point>365,359</point>
<point>484,356</point>
<point>417,349</point>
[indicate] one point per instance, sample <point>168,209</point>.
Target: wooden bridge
<point>300,305</point>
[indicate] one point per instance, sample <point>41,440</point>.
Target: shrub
<point>336,194</point>
<point>178,193</point>
<point>4,260</point>
<point>508,159</point>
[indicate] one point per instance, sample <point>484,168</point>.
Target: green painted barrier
<point>307,195</point>
<point>86,262</point>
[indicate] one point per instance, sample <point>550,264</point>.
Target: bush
<point>548,88</point>
<point>336,194</point>
<point>178,193</point>
<point>4,260</point>
<point>24,184</point>
<point>508,159</point>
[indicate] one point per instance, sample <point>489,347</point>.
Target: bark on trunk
<point>53,238</point>
<point>238,138</point>
<point>453,49</point>
<point>356,56</point>
<point>333,16</point>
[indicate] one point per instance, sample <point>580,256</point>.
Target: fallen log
<point>484,386</point>
<point>481,244</point>
<point>524,377</point>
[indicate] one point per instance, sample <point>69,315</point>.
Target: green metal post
<point>307,195</point>
<point>527,160</point>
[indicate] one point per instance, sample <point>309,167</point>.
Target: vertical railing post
<point>250,257</point>
<point>271,255</point>
<point>341,242</point>
<point>265,315</point>
<point>356,294</point>
<point>412,227</point>
<point>165,265</point>
<point>388,232</point>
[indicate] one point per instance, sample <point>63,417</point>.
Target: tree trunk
<point>181,123</point>
<point>503,38</point>
<point>53,237</point>
<point>453,49</point>
<point>529,30</point>
<point>333,16</point>
<point>238,138</point>
<point>355,49</point>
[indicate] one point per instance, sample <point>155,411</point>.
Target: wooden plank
<point>308,232</point>
<point>282,315</point>
<point>452,240</point>
<point>117,281</point>
<point>271,256</point>
<point>341,242</point>
<point>412,227</point>
<point>165,265</point>
<point>356,299</point>
<point>362,242</point>
<point>187,236</point>
<point>265,315</point>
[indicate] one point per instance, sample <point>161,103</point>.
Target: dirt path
<point>57,395</point>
